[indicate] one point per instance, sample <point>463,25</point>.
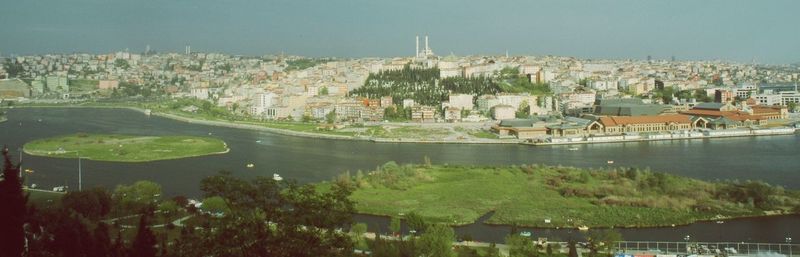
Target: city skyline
<point>708,30</point>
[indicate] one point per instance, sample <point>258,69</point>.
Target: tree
<point>394,225</point>
<point>121,63</point>
<point>323,91</point>
<point>144,245</point>
<point>603,240</point>
<point>302,221</point>
<point>791,106</point>
<point>169,209</point>
<point>330,117</point>
<point>92,204</point>
<point>415,222</point>
<point>519,246</point>
<point>101,243</point>
<point>357,233</point>
<point>12,204</point>
<point>573,249</point>
<point>215,204</point>
<point>523,112</point>
<point>136,197</point>
<point>437,241</point>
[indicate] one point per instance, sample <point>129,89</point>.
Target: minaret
<point>416,54</point>
<point>427,50</point>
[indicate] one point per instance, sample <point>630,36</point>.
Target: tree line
<point>423,85</point>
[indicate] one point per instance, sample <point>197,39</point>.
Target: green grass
<point>528,195</point>
<point>43,198</point>
<point>125,148</point>
<point>483,134</point>
<point>409,132</point>
<point>83,85</point>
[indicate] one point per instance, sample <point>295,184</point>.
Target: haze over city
<point>743,31</point>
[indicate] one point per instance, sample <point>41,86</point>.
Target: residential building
<point>423,114</point>
<point>504,112</point>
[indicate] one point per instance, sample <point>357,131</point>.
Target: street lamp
<point>789,242</point>
<point>687,238</point>
<point>80,172</point>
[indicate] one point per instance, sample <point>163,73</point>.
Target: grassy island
<point>125,148</point>
<point>568,197</point>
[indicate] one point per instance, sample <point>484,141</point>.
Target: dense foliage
<point>422,85</point>
<point>12,204</point>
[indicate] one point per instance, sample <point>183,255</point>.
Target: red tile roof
<point>733,115</point>
<point>626,120</point>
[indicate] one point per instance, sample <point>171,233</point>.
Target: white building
<point>768,99</point>
<point>199,93</point>
<point>460,101</point>
<point>790,97</point>
<point>504,112</point>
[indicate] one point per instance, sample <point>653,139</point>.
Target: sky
<point>765,31</point>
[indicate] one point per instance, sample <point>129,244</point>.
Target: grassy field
<point>568,197</point>
<point>125,148</point>
<point>83,85</point>
<point>408,132</point>
<point>43,198</point>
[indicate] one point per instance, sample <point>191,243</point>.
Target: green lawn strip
<point>43,198</point>
<point>125,148</point>
<point>483,134</point>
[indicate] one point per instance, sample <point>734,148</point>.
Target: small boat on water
<point>720,222</point>
<point>610,162</point>
<point>276,177</point>
<point>525,233</point>
<point>583,228</point>
<point>573,149</point>
<point>258,141</point>
<point>250,165</point>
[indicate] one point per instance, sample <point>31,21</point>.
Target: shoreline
<point>37,153</point>
<point>288,132</point>
<point>484,216</point>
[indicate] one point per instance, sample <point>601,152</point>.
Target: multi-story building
<point>423,114</point>
<point>768,99</point>
<point>504,112</point>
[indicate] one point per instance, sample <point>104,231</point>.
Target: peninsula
<point>555,196</point>
<point>125,148</point>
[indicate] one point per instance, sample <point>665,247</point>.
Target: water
<point>773,159</point>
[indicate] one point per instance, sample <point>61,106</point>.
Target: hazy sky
<point>768,31</point>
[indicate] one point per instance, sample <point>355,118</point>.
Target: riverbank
<point>707,134</point>
<point>291,129</point>
<point>281,131</point>
<point>557,197</point>
<point>125,148</point>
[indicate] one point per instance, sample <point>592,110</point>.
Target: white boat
<point>610,162</point>
<point>276,177</point>
<point>258,141</point>
<point>525,233</point>
<point>573,149</point>
<point>250,165</point>
<point>583,228</point>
